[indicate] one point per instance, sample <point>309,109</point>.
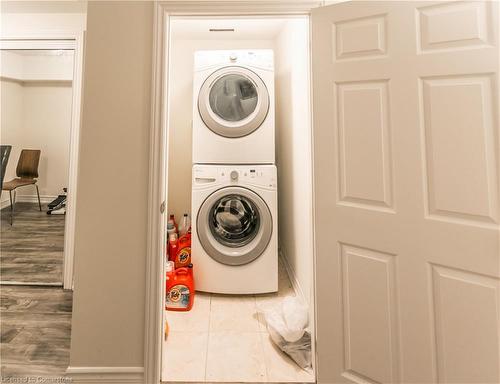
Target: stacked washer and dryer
<point>234,179</point>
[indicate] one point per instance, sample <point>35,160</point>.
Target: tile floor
<point>224,339</point>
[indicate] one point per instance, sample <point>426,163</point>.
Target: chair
<point>27,173</point>
<point>4,156</point>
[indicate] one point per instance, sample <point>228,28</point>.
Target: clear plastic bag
<point>287,326</point>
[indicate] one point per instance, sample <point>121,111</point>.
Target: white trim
<point>235,7</point>
<point>74,148</point>
<point>27,283</point>
<point>132,375</point>
<point>293,277</point>
<point>158,148</point>
<point>4,203</point>
<point>156,198</point>
<point>73,39</point>
<point>44,199</point>
<point>53,82</point>
<point>314,323</point>
<point>52,42</point>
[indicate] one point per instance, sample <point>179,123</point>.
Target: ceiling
<point>244,28</point>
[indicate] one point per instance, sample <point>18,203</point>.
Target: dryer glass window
<point>233,97</point>
<point>234,220</point>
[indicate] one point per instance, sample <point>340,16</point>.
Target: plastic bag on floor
<point>287,326</point>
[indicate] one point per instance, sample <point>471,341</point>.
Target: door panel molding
<point>364,145</point>
<point>466,141</point>
<point>460,339</point>
<point>365,37</point>
<point>474,19</point>
<point>370,312</point>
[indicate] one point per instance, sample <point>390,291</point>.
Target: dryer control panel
<point>261,58</point>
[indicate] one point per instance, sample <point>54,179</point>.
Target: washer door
<point>233,102</point>
<point>234,225</point>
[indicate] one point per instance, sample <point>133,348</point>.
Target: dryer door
<point>234,225</point>
<point>233,102</point>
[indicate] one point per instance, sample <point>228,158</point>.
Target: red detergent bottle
<point>182,255</point>
<point>180,289</point>
<point>173,246</point>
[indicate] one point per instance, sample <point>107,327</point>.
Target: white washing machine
<point>233,107</point>
<point>234,230</point>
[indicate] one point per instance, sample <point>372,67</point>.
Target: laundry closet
<point>247,189</point>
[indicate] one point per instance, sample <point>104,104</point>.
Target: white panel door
<point>406,170</point>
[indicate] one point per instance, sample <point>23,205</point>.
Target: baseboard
<point>45,199</point>
<point>27,283</point>
<point>299,292</point>
<point>103,375</point>
<point>4,203</point>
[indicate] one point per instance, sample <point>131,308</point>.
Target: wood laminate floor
<point>31,250</point>
<point>34,332</point>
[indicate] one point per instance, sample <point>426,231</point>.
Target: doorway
<point>41,99</point>
<point>211,325</point>
<point>388,212</point>
<point>37,87</point>
<point>40,95</point>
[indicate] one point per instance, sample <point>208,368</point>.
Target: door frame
<point>62,40</point>
<point>158,170</point>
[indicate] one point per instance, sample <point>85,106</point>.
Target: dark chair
<point>4,156</point>
<point>27,173</point>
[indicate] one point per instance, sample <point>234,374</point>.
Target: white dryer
<point>233,107</point>
<point>234,231</point>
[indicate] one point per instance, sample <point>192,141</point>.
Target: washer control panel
<point>258,175</point>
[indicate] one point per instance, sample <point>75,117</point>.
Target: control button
<point>234,175</point>
<point>233,57</point>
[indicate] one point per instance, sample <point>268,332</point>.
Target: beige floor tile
<point>285,288</point>
<point>195,320</point>
<point>273,300</point>
<point>235,357</point>
<point>279,367</point>
<point>233,313</point>
<point>184,356</point>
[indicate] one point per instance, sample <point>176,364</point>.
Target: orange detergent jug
<point>182,255</point>
<point>180,289</point>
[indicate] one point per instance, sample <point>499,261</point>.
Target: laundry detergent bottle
<point>180,290</point>
<point>182,256</point>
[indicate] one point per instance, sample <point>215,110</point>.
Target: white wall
<point>36,20</point>
<point>23,18</point>
<point>36,114</point>
<point>11,124</point>
<point>37,65</point>
<point>181,104</point>
<point>293,128</point>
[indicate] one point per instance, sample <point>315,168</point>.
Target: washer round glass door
<point>233,102</point>
<point>234,225</point>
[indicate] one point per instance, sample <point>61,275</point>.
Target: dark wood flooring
<point>34,333</point>
<point>31,250</point>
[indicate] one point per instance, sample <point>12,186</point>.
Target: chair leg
<point>11,207</point>
<point>38,195</point>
